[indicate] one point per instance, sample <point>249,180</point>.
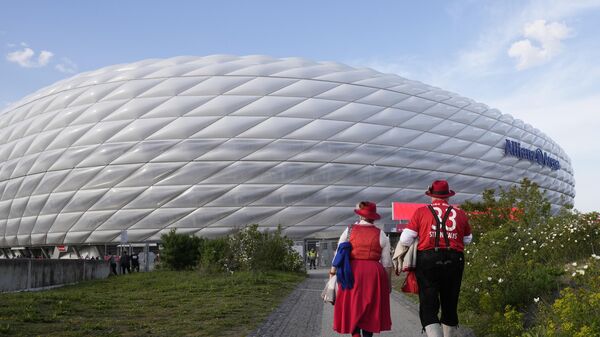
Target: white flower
<point>585,267</point>
<point>581,271</point>
<point>476,290</point>
<point>536,299</point>
<point>522,248</point>
<point>489,278</point>
<point>500,280</point>
<point>574,274</point>
<point>574,264</point>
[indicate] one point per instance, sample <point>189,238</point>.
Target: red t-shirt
<point>424,224</point>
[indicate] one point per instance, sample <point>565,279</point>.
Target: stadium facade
<point>210,144</point>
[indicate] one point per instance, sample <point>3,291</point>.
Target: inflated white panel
<point>313,108</point>
<point>135,108</point>
<point>353,112</point>
<point>391,117</point>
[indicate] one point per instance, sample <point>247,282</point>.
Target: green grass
<point>162,303</point>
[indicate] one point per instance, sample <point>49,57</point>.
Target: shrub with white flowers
<point>523,252</point>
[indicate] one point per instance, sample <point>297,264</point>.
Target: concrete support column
<point>146,257</point>
<point>29,274</point>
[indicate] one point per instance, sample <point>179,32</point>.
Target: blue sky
<point>537,60</point>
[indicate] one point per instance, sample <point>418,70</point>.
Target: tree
<point>180,251</point>
<point>523,204</point>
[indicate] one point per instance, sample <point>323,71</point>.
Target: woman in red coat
<point>366,305</point>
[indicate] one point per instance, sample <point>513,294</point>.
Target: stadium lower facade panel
<point>211,144</point>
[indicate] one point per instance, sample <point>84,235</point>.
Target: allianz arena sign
<point>210,144</point>
<point>514,149</point>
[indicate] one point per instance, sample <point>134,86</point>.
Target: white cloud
<point>548,36</point>
<point>528,54</point>
<point>26,58</point>
<point>44,57</point>
<point>22,57</point>
<point>66,66</point>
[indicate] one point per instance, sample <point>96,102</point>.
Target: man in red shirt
<point>442,231</point>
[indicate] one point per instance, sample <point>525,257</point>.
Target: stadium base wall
<point>31,274</point>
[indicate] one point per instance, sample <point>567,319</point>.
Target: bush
<point>216,255</point>
<point>246,250</point>
<point>576,312</point>
<point>518,259</point>
<point>180,251</point>
<point>260,251</point>
<point>523,204</point>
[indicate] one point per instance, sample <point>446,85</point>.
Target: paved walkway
<point>303,314</point>
<point>300,314</point>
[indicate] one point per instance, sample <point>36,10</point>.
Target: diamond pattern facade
<point>210,144</point>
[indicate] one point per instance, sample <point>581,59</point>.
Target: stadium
<point>211,144</point>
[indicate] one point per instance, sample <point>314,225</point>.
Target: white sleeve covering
<point>340,241</point>
<point>386,256</point>
<point>467,239</point>
<point>408,236</point>
<point>343,237</point>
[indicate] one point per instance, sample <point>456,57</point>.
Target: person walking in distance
<point>312,258</point>
<point>113,264</point>
<point>443,231</point>
<point>363,267</point>
<point>135,262</point>
<point>125,263</point>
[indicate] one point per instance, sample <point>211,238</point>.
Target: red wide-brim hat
<point>368,210</point>
<point>439,189</point>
